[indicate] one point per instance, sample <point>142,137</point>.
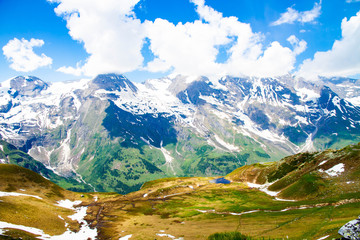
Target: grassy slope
<point>110,167</point>
<point>171,206</point>
<point>33,212</point>
<point>302,176</point>
<point>178,215</point>
<point>323,203</point>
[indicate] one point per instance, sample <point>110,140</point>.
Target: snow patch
<point>264,188</point>
<point>85,232</point>
<point>308,146</point>
<point>15,194</point>
<point>227,145</point>
<point>323,162</point>
<point>322,238</point>
<point>250,127</point>
<point>336,102</point>
<point>163,234</point>
<point>168,158</point>
<point>335,170</point>
<point>127,237</point>
<point>206,211</point>
<point>35,231</point>
<point>301,119</point>
<point>166,153</point>
<point>242,213</point>
<point>210,100</point>
<point>67,204</point>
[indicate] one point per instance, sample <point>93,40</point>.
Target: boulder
<point>351,230</point>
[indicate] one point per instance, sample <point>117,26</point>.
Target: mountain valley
<point>114,135</point>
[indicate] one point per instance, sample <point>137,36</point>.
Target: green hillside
<point>10,154</point>
<point>305,196</point>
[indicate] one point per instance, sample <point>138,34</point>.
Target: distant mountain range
<point>115,135</point>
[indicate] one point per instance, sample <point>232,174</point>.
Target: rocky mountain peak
<point>198,89</point>
<point>113,82</point>
<point>328,99</point>
<point>28,85</point>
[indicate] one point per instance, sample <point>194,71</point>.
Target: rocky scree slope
<point>9,154</point>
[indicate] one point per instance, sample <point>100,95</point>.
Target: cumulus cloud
<point>114,37</point>
<point>351,1</point>
<point>344,57</point>
<point>291,15</point>
<point>192,48</point>
<point>299,46</point>
<point>22,56</point>
<point>111,34</point>
<point>77,71</point>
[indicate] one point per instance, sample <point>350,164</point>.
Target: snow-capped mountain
<point>116,134</point>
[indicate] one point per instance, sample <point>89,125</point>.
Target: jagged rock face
<point>6,107</point>
<point>155,130</point>
<point>113,82</point>
<point>338,114</point>
<point>194,92</point>
<point>168,126</point>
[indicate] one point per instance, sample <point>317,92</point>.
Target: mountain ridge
<point>182,126</point>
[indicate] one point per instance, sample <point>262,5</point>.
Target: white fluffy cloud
<point>22,56</point>
<point>192,48</point>
<point>351,1</point>
<point>344,57</point>
<point>291,15</point>
<point>111,34</point>
<point>299,46</point>
<point>114,37</point>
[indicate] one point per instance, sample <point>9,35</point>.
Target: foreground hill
<point>319,175</point>
<point>305,196</point>
<point>116,134</point>
<point>32,207</point>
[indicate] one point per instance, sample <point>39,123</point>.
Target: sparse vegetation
<point>229,236</point>
<point>194,208</point>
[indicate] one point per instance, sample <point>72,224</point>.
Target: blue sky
<point>71,39</point>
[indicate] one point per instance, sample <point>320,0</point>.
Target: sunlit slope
<point>311,196</point>
<point>331,173</point>
<point>305,196</point>
<point>34,207</point>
